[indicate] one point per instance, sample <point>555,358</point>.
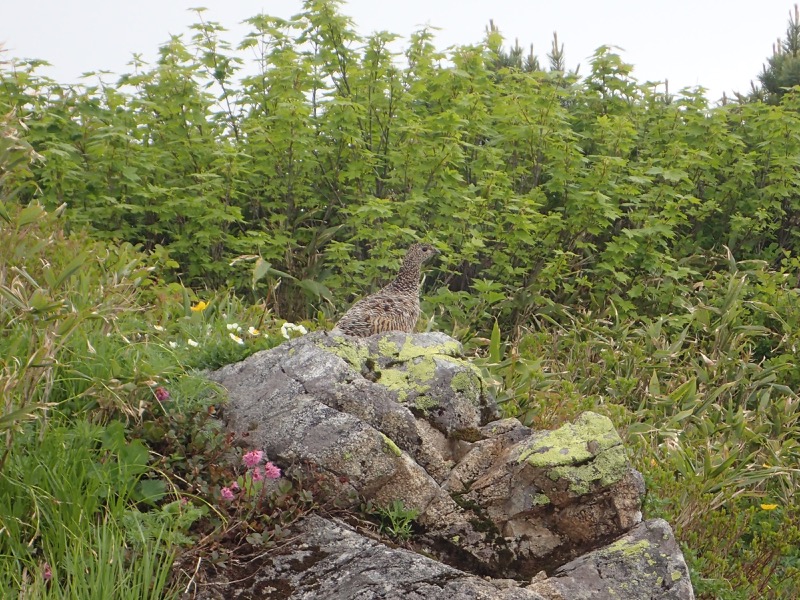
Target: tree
<point>782,70</point>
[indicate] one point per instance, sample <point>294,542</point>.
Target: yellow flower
<point>769,506</point>
<point>200,306</point>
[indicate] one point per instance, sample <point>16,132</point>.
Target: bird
<point>394,307</point>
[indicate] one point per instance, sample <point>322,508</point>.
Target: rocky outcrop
<point>643,564</point>
<point>405,417</point>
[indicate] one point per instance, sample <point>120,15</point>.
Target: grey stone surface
<point>333,562</point>
<point>645,563</point>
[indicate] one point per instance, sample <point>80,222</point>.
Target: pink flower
<point>47,572</point>
<point>162,395</point>
<point>252,458</point>
<point>257,474</point>
<point>235,486</point>
<point>226,493</point>
<point>271,471</point>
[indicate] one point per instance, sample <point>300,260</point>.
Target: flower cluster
<point>256,472</point>
<point>235,331</point>
<point>289,328</point>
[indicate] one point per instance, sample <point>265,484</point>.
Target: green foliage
<point>70,505</point>
<point>394,520</point>
<point>318,170</point>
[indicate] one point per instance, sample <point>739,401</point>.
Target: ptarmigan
<point>396,306</point>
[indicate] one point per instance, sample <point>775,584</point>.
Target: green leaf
<point>495,354</point>
<point>315,289</point>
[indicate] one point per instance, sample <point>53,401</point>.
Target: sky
<point>720,46</point>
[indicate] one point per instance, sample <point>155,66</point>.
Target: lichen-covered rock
<point>548,496</point>
<point>425,373</point>
<point>643,564</point>
<point>405,417</point>
<point>333,562</point>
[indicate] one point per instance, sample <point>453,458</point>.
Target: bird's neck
<point>407,279</point>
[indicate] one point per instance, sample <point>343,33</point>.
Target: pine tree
<point>511,59</point>
<point>782,70</point>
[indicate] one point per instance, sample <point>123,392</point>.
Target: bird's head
<point>420,253</point>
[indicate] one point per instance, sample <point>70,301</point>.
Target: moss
<point>391,446</point>
<point>568,445</point>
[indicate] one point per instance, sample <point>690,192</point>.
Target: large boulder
<point>406,417</point>
<point>333,562</point>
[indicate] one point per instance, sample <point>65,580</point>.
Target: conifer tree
<point>513,58</point>
<point>782,70</point>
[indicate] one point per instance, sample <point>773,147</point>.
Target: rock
<point>333,562</point>
<point>643,564</point>
<point>406,417</point>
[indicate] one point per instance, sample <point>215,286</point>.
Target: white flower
<point>173,344</point>
<point>236,338</point>
<point>252,330</point>
<point>158,328</point>
<point>192,343</point>
<point>234,327</point>
<point>288,328</point>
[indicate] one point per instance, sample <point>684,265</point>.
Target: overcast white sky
<point>719,45</point>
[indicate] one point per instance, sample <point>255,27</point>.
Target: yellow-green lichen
<point>387,347</point>
<point>395,380</point>
<point>465,383</point>
<point>627,547</point>
<point>421,370</point>
<point>569,444</point>
<point>425,403</point>
<point>675,575</point>
<point>391,446</point>
<point>540,500</point>
<point>605,469</point>
<point>354,354</point>
<point>410,350</point>
<point>414,376</point>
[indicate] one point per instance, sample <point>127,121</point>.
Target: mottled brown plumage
<point>396,306</point>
